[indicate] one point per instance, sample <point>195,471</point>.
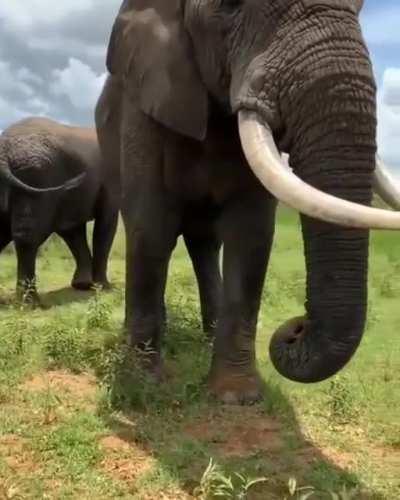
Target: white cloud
<point>13,114</point>
<point>19,83</point>
<point>25,13</point>
<point>53,43</point>
<point>13,83</point>
<point>389,117</point>
<point>79,83</point>
<point>26,75</point>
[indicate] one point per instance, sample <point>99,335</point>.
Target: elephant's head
<point>298,75</point>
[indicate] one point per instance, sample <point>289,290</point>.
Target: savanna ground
<point>78,420</point>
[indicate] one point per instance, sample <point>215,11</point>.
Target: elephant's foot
<point>29,298</point>
<point>236,387</point>
<point>210,330</point>
<point>82,281</point>
<point>154,368</point>
<point>150,363</point>
<point>104,285</point>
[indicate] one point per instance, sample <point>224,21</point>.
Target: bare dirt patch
<point>17,455</point>
<point>306,456</point>
<point>81,385</point>
<point>238,432</point>
<point>124,461</point>
<point>387,459</point>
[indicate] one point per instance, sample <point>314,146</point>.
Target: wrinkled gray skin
<point>180,71</point>
<point>42,153</point>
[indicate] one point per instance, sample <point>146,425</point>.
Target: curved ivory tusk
<point>385,185</point>
<point>264,159</point>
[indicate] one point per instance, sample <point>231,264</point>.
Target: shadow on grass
<point>66,295</point>
<point>181,428</point>
<point>6,301</point>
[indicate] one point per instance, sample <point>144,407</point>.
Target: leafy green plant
<point>50,403</point>
<point>215,484</point>
<point>342,406</point>
<point>299,492</point>
<point>63,347</point>
<point>306,492</point>
<point>125,379</point>
<point>99,312</point>
<point>345,494</point>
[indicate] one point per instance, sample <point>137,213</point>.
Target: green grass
<point>79,419</point>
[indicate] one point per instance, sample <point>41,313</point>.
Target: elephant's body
<point>43,152</point>
<point>198,210</point>
<point>297,73</point>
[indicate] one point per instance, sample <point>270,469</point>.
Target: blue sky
<point>380,21</point>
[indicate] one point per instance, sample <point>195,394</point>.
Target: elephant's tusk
<point>385,185</point>
<point>264,159</point>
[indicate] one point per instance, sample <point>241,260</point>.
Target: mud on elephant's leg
<point>26,274</point>
<point>204,253</point>
<point>76,241</point>
<point>103,236</point>
<point>149,248</point>
<point>247,227</point>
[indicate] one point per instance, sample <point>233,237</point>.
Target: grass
<point>78,418</point>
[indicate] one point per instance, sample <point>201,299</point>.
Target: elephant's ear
<point>149,41</point>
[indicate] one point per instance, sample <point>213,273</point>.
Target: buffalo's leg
<point>26,273</point>
<point>76,241</point>
<point>204,253</point>
<point>246,229</point>
<point>103,236</point>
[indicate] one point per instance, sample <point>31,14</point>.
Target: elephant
<point>39,151</point>
<point>201,99</point>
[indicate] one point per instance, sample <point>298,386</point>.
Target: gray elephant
<point>41,152</point>
<point>202,97</point>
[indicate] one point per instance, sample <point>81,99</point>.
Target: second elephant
<point>41,152</point>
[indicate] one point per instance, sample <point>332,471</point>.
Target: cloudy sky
<point>52,61</point>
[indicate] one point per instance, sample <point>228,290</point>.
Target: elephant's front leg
<point>204,253</point>
<point>26,276</point>
<point>246,228</point>
<point>151,233</point>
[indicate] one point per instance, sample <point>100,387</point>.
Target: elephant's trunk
<point>329,121</point>
<point>313,348</point>
<point>10,179</point>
